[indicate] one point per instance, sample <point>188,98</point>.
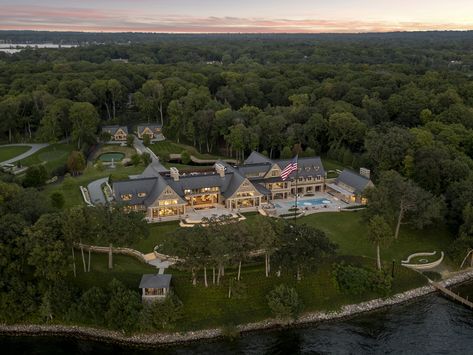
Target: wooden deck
<point>453,295</point>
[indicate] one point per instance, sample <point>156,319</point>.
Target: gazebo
<point>155,286</point>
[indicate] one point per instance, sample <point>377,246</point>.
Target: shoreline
<point>163,339</point>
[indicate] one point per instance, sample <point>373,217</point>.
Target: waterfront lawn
<point>7,153</point>
<point>211,307</point>
<point>69,187</point>
<point>349,231</point>
<point>52,156</point>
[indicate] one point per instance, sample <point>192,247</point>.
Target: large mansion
<point>171,194</point>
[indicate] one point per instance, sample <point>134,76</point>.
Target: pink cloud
<point>81,19</point>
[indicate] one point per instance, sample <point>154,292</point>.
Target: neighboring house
<point>155,287</point>
<point>350,186</point>
<point>117,133</point>
<point>170,195</point>
<point>153,130</point>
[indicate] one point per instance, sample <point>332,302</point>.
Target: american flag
<point>291,167</point>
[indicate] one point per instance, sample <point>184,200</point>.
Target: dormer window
<point>141,194</point>
<point>126,197</point>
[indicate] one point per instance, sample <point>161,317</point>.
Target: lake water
<point>15,48</point>
<point>431,325</point>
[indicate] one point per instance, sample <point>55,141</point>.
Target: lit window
<point>141,194</point>
<point>126,197</point>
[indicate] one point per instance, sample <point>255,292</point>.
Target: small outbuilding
<point>117,133</point>
<point>155,286</point>
<point>153,130</point>
<point>350,186</point>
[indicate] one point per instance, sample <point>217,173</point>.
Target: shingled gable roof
<point>257,158</point>
<point>152,187</point>
<point>356,181</point>
<point>309,166</point>
<point>155,281</point>
<point>113,129</point>
<point>141,127</point>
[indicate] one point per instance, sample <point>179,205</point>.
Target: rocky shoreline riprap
<point>154,339</point>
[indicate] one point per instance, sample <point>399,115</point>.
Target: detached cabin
<point>153,130</point>
<point>350,186</point>
<point>117,133</point>
<point>155,287</point>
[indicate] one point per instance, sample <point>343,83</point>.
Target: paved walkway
<point>140,148</point>
<point>153,260</point>
<point>95,191</point>
<point>34,148</point>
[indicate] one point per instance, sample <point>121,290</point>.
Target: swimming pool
<point>313,202</point>
<point>305,203</point>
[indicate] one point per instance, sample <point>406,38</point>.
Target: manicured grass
<point>7,153</point>
<point>349,231</point>
<point>169,147</point>
<point>211,307</point>
<point>69,187</point>
<point>126,269</point>
<point>330,164</point>
<point>52,156</point>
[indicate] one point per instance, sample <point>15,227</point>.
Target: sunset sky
<point>237,15</point>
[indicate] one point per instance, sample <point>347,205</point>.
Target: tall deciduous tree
<point>379,233</point>
<point>84,119</point>
<point>401,201</point>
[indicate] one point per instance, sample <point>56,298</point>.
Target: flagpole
<point>297,180</point>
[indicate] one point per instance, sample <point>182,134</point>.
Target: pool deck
<point>283,206</point>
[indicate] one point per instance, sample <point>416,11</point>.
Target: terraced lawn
<point>164,148</point>
<point>7,153</point>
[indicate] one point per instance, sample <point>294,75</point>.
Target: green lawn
<point>349,231</point>
<point>7,153</point>
<point>330,164</point>
<point>53,156</point>
<point>69,187</point>
<point>168,147</point>
<point>210,307</point>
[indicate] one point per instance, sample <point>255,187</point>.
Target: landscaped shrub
<point>36,176</point>
<point>162,315</point>
<point>285,303</point>
<point>185,157</point>
<point>146,158</point>
<point>57,200</point>
<point>356,280</point>
<point>136,159</point>
<point>61,170</point>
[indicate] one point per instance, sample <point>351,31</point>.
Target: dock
<point>453,295</point>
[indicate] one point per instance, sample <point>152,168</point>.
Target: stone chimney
<point>365,172</point>
<point>174,174</point>
<point>220,169</point>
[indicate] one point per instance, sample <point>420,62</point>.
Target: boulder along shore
<point>157,339</point>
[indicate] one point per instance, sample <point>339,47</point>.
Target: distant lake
<point>430,325</point>
<point>18,47</point>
